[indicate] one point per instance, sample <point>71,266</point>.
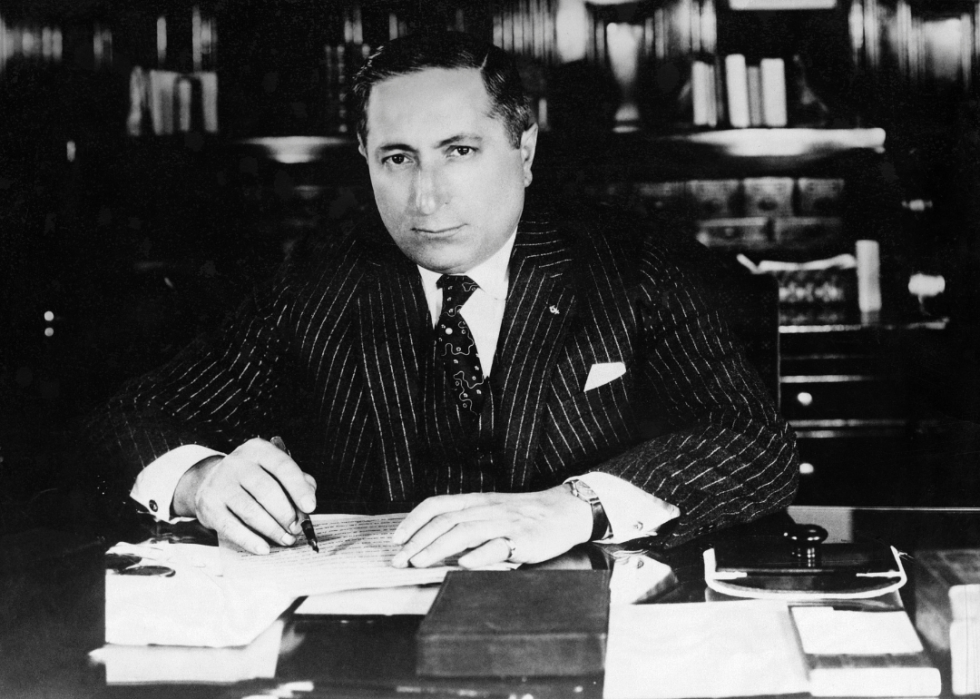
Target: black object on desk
<point>516,623</point>
<point>799,561</point>
<point>52,610</point>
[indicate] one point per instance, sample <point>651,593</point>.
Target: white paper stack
<point>729,649</point>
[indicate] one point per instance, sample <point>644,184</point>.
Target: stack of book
<point>743,95</point>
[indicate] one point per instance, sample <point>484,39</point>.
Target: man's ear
<point>360,147</point>
<point>529,143</point>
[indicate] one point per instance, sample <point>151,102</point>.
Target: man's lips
<point>436,232</point>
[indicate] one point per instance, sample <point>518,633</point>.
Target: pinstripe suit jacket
<point>334,354</point>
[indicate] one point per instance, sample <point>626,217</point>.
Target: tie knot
<point>456,289</point>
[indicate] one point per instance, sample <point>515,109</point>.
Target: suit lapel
<point>541,303</point>
<point>391,312</point>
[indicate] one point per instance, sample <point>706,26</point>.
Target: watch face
<point>582,491</point>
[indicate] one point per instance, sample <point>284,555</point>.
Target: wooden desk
<point>344,651</point>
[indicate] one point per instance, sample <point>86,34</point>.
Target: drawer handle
<point>804,398</point>
<point>806,468</point>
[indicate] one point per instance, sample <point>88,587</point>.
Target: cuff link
<point>512,550</point>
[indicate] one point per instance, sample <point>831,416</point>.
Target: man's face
<point>448,183</point>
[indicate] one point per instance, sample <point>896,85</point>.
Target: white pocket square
<point>601,374</point>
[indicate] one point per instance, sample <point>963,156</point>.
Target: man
<point>463,352</point>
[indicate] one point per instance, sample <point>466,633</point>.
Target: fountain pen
<point>304,519</point>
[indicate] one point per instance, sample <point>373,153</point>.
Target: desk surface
<point>343,653</point>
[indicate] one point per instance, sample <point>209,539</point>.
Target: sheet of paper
<point>355,553</point>
<point>195,607</point>
<point>154,664</point>
<point>828,631</point>
<point>724,649</point>
<point>413,599</point>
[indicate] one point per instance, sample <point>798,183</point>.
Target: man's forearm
<point>716,474</point>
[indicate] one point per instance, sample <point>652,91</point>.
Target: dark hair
<point>415,53</point>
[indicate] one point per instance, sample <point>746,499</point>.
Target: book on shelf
<point>737,89</point>
<point>181,102</point>
<point>773,72</point>
<point>703,94</point>
<point>754,76</point>
<point>721,101</point>
<point>728,90</point>
<point>947,611</point>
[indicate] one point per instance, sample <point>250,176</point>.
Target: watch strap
<point>600,522</point>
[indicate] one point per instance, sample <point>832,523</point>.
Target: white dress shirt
<point>632,512</point>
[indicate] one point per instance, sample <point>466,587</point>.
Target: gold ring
<point>510,545</point>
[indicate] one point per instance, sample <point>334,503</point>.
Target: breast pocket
<point>598,418</point>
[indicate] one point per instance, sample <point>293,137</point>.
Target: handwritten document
<point>355,553</point>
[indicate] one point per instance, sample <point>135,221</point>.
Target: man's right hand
<point>247,495</point>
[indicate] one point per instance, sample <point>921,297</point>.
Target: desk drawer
<point>858,468</point>
<point>841,396</point>
<point>833,364</point>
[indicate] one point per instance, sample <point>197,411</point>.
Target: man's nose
<point>429,191</point>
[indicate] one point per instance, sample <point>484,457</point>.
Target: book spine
<point>720,112</point>
<point>738,91</point>
<point>773,92</point>
<point>754,75</point>
<point>868,254</point>
<point>711,88</point>
<point>702,87</point>
<point>209,88</point>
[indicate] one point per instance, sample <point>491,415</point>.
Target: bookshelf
<point>867,96</point>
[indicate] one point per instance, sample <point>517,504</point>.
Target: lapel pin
<point>553,309</point>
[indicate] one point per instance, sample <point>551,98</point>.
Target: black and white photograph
<point>530,349</point>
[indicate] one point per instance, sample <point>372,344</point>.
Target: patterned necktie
<point>455,345</point>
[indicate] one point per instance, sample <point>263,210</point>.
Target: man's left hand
<point>538,526</point>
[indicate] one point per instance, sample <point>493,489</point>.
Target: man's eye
<point>396,159</point>
<point>462,150</point>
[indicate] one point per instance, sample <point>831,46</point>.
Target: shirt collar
<point>491,274</point>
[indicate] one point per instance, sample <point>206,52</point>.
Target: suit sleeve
<point>218,392</point>
<point>726,455</point>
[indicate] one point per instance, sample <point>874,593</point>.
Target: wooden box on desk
<point>52,603</point>
<point>516,623</point>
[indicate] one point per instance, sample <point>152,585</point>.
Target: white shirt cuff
<point>632,512</point>
<point>155,486</point>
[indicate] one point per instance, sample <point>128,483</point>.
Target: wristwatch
<point>600,523</point>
